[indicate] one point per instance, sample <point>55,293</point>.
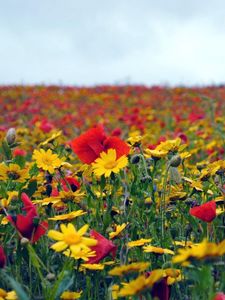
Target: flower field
<point>112,192</point>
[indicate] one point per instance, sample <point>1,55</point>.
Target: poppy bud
<point>50,276</point>
<point>135,159</point>
<point>24,241</point>
<point>11,136</point>
<point>146,179</point>
<point>175,160</point>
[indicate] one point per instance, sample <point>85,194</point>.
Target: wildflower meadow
<point>112,192</point>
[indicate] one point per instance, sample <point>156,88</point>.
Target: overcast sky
<point>90,42</point>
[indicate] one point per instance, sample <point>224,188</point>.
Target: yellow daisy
<point>7,295</point>
<point>134,267</point>
<point>68,216</point>
<point>67,295</point>
<point>138,243</point>
<point>84,254</point>
<point>13,172</point>
<point>140,284</point>
<point>119,229</point>
<point>157,250</point>
<point>46,160</point>
<point>71,238</point>
<point>107,163</point>
<point>96,267</point>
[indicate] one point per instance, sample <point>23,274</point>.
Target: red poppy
<point>205,212</point>
<point>70,182</point>
<point>2,257</point>
<point>27,224</point>
<point>90,144</point>
<point>219,296</point>
<point>102,249</point>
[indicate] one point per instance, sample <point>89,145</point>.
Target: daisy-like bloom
<point>205,212</point>
<point>12,196</point>
<point>115,290</point>
<point>138,243</point>
<point>199,251</point>
<point>108,163</point>
<point>7,295</point>
<point>67,295</point>
<point>96,267</point>
<point>119,229</point>
<point>47,160</point>
<point>84,254</point>
<point>172,275</point>
<point>71,238</point>
<point>54,136</point>
<point>69,216</point>
<point>131,268</point>
<point>13,172</point>
<point>157,250</point>
<point>140,284</point>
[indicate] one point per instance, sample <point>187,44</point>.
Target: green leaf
<point>31,189</point>
<point>17,287</point>
<point>6,150</point>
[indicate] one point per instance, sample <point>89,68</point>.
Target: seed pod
<point>11,136</point>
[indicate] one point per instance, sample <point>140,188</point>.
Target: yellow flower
<point>134,267</point>
<point>157,153</point>
<point>67,295</point>
<point>13,172</point>
<point>71,238</point>
<point>173,275</point>
<point>119,229</point>
<point>199,251</point>
<point>140,284</point>
<point>138,243</point>
<point>68,216</point>
<point>7,295</point>
<point>95,267</point>
<point>46,160</point>
<point>157,250</point>
<point>115,289</point>
<point>54,136</point>
<point>107,163</point>
<point>84,254</point>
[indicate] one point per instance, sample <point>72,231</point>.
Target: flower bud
<point>50,276</point>
<point>24,241</point>
<point>11,136</point>
<point>175,160</point>
<point>135,159</point>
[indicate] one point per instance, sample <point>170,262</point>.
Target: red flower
<point>19,152</point>
<point>219,296</point>
<point>26,224</point>
<point>102,249</point>
<point>72,182</point>
<point>2,257</point>
<point>205,212</point>
<point>90,144</point>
